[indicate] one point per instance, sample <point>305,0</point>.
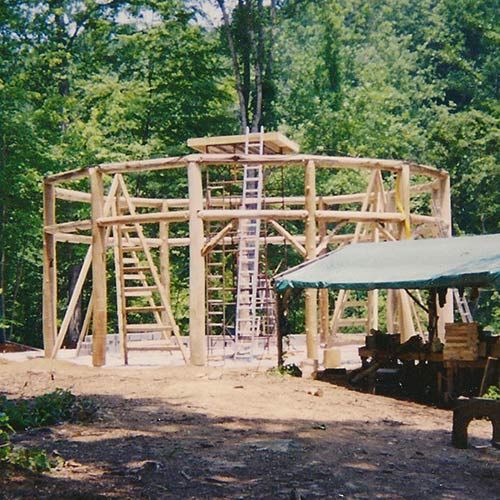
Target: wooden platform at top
<point>274,143</point>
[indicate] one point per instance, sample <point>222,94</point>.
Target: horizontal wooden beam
<point>427,219</point>
<point>150,218</point>
<point>69,227</point>
<point>354,216</point>
<point>184,242</point>
<point>340,199</point>
<point>220,215</point>
<point>267,160</point>
<point>80,196</point>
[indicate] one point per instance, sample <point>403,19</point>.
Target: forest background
<point>86,81</point>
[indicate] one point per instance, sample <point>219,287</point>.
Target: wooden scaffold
<point>226,224</point>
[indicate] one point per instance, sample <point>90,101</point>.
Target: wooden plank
<point>275,141</point>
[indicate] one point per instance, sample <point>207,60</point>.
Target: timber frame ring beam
<point>384,211</point>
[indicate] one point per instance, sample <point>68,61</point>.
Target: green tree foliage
<point>85,81</point>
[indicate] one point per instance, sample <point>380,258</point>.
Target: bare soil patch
<point>211,433</point>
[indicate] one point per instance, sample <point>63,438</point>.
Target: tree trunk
<point>259,63</point>
<point>236,66</point>
<point>3,330</point>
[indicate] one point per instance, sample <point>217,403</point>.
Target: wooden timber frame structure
<point>386,210</point>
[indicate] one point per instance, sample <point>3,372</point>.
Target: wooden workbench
<point>446,371</point>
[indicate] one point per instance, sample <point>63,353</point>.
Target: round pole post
<point>197,325</point>
<point>311,304</point>
<point>49,271</point>
<point>99,291</point>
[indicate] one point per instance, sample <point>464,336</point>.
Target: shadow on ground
<point>145,448</point>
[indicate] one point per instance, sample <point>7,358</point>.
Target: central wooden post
<point>99,302</point>
<point>49,271</point>
<point>197,326</point>
<point>311,304</point>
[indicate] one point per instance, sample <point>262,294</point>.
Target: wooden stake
<point>196,268</point>
<point>99,315</point>
<point>49,272</point>
<point>311,305</point>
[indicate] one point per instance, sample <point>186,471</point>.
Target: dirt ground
<point>213,433</point>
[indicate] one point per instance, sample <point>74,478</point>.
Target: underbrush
<point>24,414</point>
<point>493,392</point>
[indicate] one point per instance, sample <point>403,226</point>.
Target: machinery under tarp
<point>467,261</point>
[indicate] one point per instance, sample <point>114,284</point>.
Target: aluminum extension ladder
<point>248,257</point>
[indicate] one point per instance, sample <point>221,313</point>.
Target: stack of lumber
<point>461,342</point>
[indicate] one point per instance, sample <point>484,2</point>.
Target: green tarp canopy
<point>427,263</point>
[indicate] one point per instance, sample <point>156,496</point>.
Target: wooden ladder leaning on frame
<point>137,278</point>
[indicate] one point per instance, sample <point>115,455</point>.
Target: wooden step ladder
<point>248,257</point>
<point>143,303</point>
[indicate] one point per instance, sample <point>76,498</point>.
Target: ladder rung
<point>151,327</point>
<point>131,277</point>
<point>127,249</point>
<point>351,321</point>
<point>139,293</point>
<point>132,309</point>
<point>129,260</point>
<point>148,288</point>
<point>136,269</point>
<point>151,346</point>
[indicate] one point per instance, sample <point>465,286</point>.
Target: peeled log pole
<point>99,313</point>
<point>49,273</point>
<point>311,305</point>
<point>445,313</point>
<point>196,269</point>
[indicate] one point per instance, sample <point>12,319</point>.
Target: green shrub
<point>493,392</point>
<point>48,409</point>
